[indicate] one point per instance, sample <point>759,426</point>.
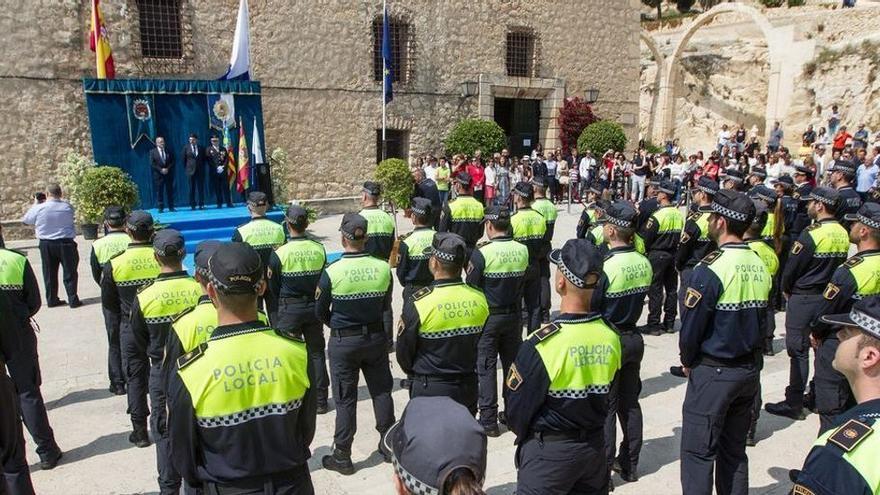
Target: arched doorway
<point>654,87</point>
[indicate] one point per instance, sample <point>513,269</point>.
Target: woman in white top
<point>490,184</point>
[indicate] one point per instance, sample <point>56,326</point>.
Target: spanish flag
<point>244,169</point>
<point>100,44</point>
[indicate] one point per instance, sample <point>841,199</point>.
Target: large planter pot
<point>89,231</point>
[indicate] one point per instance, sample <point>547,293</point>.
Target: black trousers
<point>715,423</point>
<point>13,455</point>
<point>665,280</point>
<point>799,312</point>
<point>197,189</point>
<point>24,369</point>
<point>532,297</point>
<point>623,405</point>
<point>61,252</point>
<point>169,479</point>
<point>349,356</point>
<point>544,266</point>
<point>164,187</point>
<point>833,394</point>
<point>299,317</point>
<point>114,351</point>
<point>461,389</point>
<point>755,412</point>
<point>137,373</point>
<point>562,467</point>
<point>502,335</point>
<point>221,184</point>
<point>297,481</point>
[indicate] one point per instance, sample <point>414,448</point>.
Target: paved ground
<point>92,428</point>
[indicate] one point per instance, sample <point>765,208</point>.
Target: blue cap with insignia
<point>579,261</point>
<point>864,314</point>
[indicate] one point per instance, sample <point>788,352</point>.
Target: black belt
<point>807,292</point>
<point>291,299</point>
<point>505,310</point>
<point>66,239</point>
<point>561,436</point>
<point>357,330</point>
<point>248,485</point>
<point>444,378</point>
<point>748,359</point>
<point>627,330</point>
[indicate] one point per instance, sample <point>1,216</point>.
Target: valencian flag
<point>230,157</point>
<point>100,44</point>
<point>244,169</point>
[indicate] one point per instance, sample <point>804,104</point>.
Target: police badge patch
<point>692,297</point>
<point>802,490</point>
<point>317,293</point>
<point>514,379</point>
<point>831,291</point>
<point>797,247</point>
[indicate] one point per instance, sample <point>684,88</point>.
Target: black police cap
<point>114,215</point>
<point>734,205</point>
<point>759,172</point>
<point>707,185</point>
<point>139,220</point>
<point>868,214</point>
<point>843,166</point>
<point>169,242</point>
<point>296,213</point>
<point>448,248</point>
<point>803,170</point>
<point>463,178</point>
<point>667,187</point>
<point>785,181</point>
<point>763,193</point>
<point>864,314</point>
<point>257,198</point>
<point>422,207</point>
<point>435,436</point>
<point>538,182</point>
<point>596,188</point>
<point>734,175</point>
<point>579,261</point>
<point>621,214</point>
<point>353,227</point>
<point>235,268</point>
<point>373,188</point>
<point>524,190</point>
<point>761,213</point>
<point>204,251</point>
<point>496,212</point>
<point>825,195</point>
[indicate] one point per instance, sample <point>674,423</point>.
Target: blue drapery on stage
<point>180,108</point>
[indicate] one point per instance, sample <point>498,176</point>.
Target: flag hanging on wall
<point>244,172</point>
<point>240,61</point>
<point>100,44</point>
<point>230,157</point>
<point>141,119</point>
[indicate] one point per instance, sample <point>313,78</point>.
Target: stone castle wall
<point>314,60</point>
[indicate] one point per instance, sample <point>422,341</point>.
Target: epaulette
<point>711,257</point>
<point>424,291</point>
<point>848,436</point>
<point>546,331</point>
<point>404,236</point>
<point>694,215</point>
<point>144,287</point>
<point>180,315</point>
<point>813,226</point>
<point>191,356</point>
<point>484,243</point>
<point>289,335</point>
<point>855,260</point>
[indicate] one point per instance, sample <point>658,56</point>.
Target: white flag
<point>256,147</point>
<point>240,62</point>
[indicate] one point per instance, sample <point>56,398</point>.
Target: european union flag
<point>386,59</point>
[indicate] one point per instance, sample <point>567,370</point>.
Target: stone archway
<point>779,88</point>
<point>660,60</point>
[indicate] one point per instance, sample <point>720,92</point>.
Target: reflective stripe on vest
<point>110,245</point>
<point>528,224</point>
<point>164,299</point>
<point>196,326</point>
<point>416,243</point>
<point>668,219</point>
<point>262,233</point>
<point>744,279</point>
<point>867,276</point>
<point>546,208</point>
<point>11,270</point>
<point>831,240</point>
<point>505,259</point>
<point>863,458</point>
<point>246,377</point>
<point>359,277</point>
<point>135,266</point>
<point>767,255</point>
<point>379,223</point>
<point>581,358</point>
<point>466,209</point>
<point>628,273</point>
<point>301,257</point>
<point>452,310</point>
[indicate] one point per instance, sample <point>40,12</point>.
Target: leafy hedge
<point>397,182</point>
<point>101,187</point>
<point>470,135</point>
<point>600,137</point>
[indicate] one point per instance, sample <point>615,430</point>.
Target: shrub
<point>772,3</point>
<point>278,162</point>
<point>71,171</point>
<point>397,182</point>
<point>797,3</point>
<point>684,6</point>
<point>470,135</point>
<point>653,148</point>
<point>101,187</point>
<point>574,116</point>
<point>600,137</point>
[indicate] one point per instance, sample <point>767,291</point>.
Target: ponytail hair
<point>778,227</point>
<point>461,481</point>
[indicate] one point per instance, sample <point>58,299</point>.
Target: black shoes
<point>139,437</point>
<point>750,440</point>
<point>117,389</point>
<point>492,430</point>
<point>51,461</point>
<point>338,461</point>
<point>75,303</point>
<point>55,304</point>
<point>628,476</point>
<point>785,410</point>
<point>323,408</point>
<point>385,453</point>
<point>649,329</point>
<point>502,418</point>
<point>677,371</point>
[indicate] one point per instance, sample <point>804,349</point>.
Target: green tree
<point>658,4</point>
<point>600,137</point>
<point>470,135</point>
<point>397,182</point>
<point>684,6</point>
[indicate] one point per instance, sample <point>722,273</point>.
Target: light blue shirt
<point>53,219</point>
<point>866,175</point>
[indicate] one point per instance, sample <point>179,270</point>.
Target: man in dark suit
<point>162,163</point>
<point>217,160</point>
<point>193,160</point>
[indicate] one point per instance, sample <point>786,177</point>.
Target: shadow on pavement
<point>91,300</point>
<point>372,461</point>
<point>780,487</point>
<point>505,489</point>
<point>78,396</point>
<point>658,452</point>
<point>102,445</point>
<point>768,424</point>
<point>659,384</point>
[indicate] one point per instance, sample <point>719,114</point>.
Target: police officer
<point>437,447</point>
<point>695,242</point>
<point>720,344</point>
<point>589,215</point>
<point>858,278</point>
<point>380,240</point>
<point>819,250</point>
<point>844,458</point>
<point>530,229</point>
<point>662,234</point>
<point>773,227</point>
<point>621,292</point>
<point>412,262</point>
<point>733,180</point>
<point>352,294</point>
<point>497,267</point>
<point>802,189</point>
<point>791,229</point>
<point>123,276</point>
<point>262,234</point>
<point>648,205</point>
<point>546,208</point>
<point>595,234</point>
<point>16,479</point>
<point>757,175</point>
<point>294,271</point>
<point>441,326</point>
<point>241,406</point>
<point>842,174</point>
<point>464,214</point>
<point>114,242</point>
<point>557,402</point>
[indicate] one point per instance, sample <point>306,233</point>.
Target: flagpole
<point>384,78</point>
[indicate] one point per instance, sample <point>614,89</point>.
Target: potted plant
<point>397,188</point>
<point>98,188</point>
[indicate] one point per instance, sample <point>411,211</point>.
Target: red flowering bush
<point>574,116</point>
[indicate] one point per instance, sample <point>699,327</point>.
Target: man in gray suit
<point>162,164</point>
<point>193,160</point>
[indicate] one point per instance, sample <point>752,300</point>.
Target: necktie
<point>195,151</point>
<point>162,153</point>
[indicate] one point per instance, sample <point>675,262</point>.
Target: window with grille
<point>399,32</point>
<point>161,33</point>
<point>520,53</point>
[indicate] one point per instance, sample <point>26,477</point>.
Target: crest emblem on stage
<point>221,110</point>
<point>141,120</point>
<point>141,109</point>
